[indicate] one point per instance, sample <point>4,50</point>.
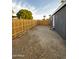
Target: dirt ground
<point>39,43</point>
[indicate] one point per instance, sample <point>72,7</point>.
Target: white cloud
<point>16,7</point>
<point>37,13</point>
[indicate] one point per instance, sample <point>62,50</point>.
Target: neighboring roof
<point>59,7</point>
<point>13,13</point>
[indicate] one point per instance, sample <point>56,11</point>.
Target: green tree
<point>24,14</point>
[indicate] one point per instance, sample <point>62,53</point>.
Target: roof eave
<point>62,5</point>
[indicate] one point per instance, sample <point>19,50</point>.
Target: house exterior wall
<point>60,22</point>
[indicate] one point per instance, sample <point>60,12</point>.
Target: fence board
<point>20,26</point>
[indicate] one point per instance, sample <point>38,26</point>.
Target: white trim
<point>53,21</point>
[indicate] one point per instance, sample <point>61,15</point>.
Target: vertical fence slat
<point>19,26</point>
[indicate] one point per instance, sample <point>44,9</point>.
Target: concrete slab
<point>39,43</point>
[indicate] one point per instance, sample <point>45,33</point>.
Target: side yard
<point>39,43</point>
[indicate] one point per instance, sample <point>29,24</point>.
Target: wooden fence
<point>42,22</point>
<point>21,26</point>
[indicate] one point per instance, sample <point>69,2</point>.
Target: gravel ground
<point>39,43</point>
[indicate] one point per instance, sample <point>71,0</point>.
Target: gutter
<point>60,7</point>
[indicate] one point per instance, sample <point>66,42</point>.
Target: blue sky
<point>39,8</point>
